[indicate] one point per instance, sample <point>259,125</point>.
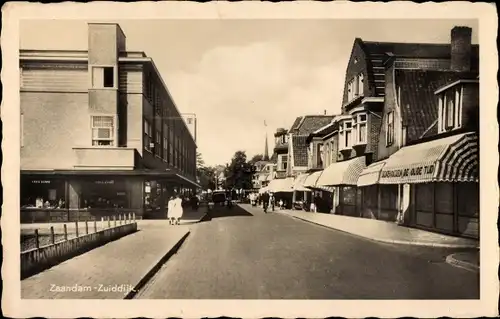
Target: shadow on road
<point>220,212</point>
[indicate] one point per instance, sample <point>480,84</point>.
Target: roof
<point>300,146</point>
<point>307,124</point>
<point>415,50</point>
<point>419,104</point>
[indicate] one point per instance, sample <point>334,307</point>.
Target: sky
<point>237,74</point>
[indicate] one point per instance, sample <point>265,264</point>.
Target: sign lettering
<point>105,182</point>
<point>40,182</point>
<point>406,172</point>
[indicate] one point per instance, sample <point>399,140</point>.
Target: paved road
<point>242,255</point>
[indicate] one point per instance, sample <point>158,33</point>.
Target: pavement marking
<point>451,260</point>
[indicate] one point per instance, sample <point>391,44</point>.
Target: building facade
<point>100,131</point>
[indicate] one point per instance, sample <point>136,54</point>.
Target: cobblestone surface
<point>118,265</point>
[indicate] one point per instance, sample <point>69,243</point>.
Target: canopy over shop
<point>432,185</point>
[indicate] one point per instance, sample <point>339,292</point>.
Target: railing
<point>34,238</point>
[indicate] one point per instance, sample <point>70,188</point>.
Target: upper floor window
<point>389,128</point>
<point>327,154</point>
<point>450,110</point>
<point>360,131</point>
<point>148,135</point>
<point>102,130</point>
<point>355,87</point>
<point>283,162</point>
<point>103,77</point>
<point>158,143</point>
<point>189,120</point>
<point>319,155</point>
<point>345,134</point>
<point>284,139</point>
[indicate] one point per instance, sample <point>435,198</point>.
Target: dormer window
<point>284,139</point>
<point>355,87</point>
<point>450,110</point>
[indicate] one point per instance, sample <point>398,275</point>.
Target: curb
<point>450,259</point>
<point>393,241</point>
<point>131,294</point>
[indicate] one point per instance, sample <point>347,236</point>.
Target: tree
<point>199,160</point>
<point>239,172</point>
<point>205,174</point>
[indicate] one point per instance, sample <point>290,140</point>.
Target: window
<point>350,91</point>
<point>319,155</point>
<point>283,162</point>
<point>103,77</point>
<point>148,135</point>
<point>450,109</point>
<point>189,121</point>
<point>389,129</point>
<point>158,143</point>
<point>360,85</point>
<point>360,131</point>
<point>102,130</point>
<point>284,139</point>
<point>345,135</point>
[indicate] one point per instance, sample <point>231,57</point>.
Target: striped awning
<point>311,180</point>
<point>371,174</point>
<point>342,173</point>
<point>298,184</point>
<point>449,159</point>
<point>281,185</point>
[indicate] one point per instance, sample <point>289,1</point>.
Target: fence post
<point>95,226</point>
<point>119,219</point>
<point>129,217</point>
<point>65,232</point>
<point>86,228</point>
<point>133,215</point>
<point>37,240</point>
<point>109,222</point>
<point>114,220</point>
<point>76,227</point>
<point>52,236</point>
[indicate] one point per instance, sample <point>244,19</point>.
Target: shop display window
<point>104,194</point>
<point>47,193</point>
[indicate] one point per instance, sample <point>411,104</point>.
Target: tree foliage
<point>205,174</point>
<point>239,172</point>
<point>256,158</point>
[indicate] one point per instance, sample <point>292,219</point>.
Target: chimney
<point>461,46</point>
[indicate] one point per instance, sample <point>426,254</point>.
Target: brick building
<point>99,132</point>
<point>427,160</point>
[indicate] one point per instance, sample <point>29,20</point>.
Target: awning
<point>311,180</point>
<point>371,174</point>
<point>281,185</point>
<point>449,159</point>
<point>342,173</point>
<point>298,184</point>
<point>263,190</point>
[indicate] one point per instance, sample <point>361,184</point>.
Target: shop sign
<point>40,182</point>
<point>105,182</point>
<point>121,194</point>
<point>407,172</point>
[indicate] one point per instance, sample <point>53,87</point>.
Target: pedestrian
<point>178,209</point>
<point>265,201</point>
<point>280,203</point>
<point>170,210</point>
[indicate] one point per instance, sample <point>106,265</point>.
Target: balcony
<point>109,158</point>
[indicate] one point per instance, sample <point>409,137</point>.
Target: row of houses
<point>404,147</point>
<point>100,131</point>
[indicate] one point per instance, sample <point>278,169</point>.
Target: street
<point>243,253</point>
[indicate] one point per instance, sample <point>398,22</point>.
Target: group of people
<point>267,199</point>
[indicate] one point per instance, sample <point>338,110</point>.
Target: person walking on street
<point>170,211</point>
<point>265,201</point>
<point>178,210</point>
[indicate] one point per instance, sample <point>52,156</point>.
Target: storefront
<point>340,178</point>
<point>282,188</point>
<point>434,186</point>
<point>72,195</point>
<point>300,192</point>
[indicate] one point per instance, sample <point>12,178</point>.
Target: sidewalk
<point>382,231</point>
<point>468,260</point>
<point>110,271</point>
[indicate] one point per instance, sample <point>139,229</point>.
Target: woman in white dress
<point>170,211</point>
<point>178,210</point>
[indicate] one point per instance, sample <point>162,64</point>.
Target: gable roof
<point>299,144</point>
<point>305,125</point>
<point>419,104</point>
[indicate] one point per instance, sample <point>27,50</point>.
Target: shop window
<point>425,197</point>
<point>389,129</point>
<point>102,130</point>
<point>467,195</point>
<point>349,195</point>
<point>389,197</point>
<point>103,77</point>
<point>43,193</point>
<point>104,194</point>
<point>443,198</point>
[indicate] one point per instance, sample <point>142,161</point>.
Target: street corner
<point>465,260</point>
